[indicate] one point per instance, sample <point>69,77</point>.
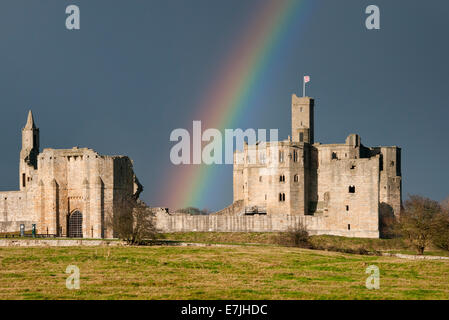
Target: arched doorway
<point>75,225</point>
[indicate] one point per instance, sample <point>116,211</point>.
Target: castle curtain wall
<point>257,223</point>
<point>14,211</point>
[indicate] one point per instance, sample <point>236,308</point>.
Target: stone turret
<point>302,119</point>
<point>29,152</point>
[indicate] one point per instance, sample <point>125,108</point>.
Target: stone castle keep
<point>66,192</point>
<point>336,189</point>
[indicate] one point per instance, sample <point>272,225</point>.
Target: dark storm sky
<point>137,70</point>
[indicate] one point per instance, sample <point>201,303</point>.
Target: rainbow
<point>227,98</point>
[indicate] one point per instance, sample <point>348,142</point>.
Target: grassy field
<point>325,242</point>
<point>237,272</point>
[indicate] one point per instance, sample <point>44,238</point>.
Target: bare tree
<point>134,222</point>
<point>418,221</point>
<point>441,234</point>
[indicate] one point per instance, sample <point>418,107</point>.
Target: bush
<point>297,236</point>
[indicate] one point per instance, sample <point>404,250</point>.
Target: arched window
<point>296,178</point>
<point>282,178</point>
<point>281,197</point>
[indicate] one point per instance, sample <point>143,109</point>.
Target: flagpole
<point>303,87</point>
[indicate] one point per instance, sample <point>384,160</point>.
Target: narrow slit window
<point>281,156</point>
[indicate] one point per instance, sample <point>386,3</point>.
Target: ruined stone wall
<point>257,223</point>
<point>82,180</point>
<point>235,209</point>
<point>67,181</point>
<point>125,187</point>
<point>14,211</point>
<point>348,193</point>
<point>58,182</point>
<point>75,180</point>
<point>237,175</point>
<point>225,223</point>
<point>390,180</point>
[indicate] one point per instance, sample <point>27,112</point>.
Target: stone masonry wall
<point>257,223</point>
<point>14,211</point>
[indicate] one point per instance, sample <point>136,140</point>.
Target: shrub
<point>297,236</point>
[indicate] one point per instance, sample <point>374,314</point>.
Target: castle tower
<point>302,119</point>
<point>29,152</point>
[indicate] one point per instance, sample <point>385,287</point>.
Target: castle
<point>336,189</point>
<point>66,192</point>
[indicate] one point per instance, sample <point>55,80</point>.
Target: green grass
<point>234,272</point>
<point>323,241</point>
